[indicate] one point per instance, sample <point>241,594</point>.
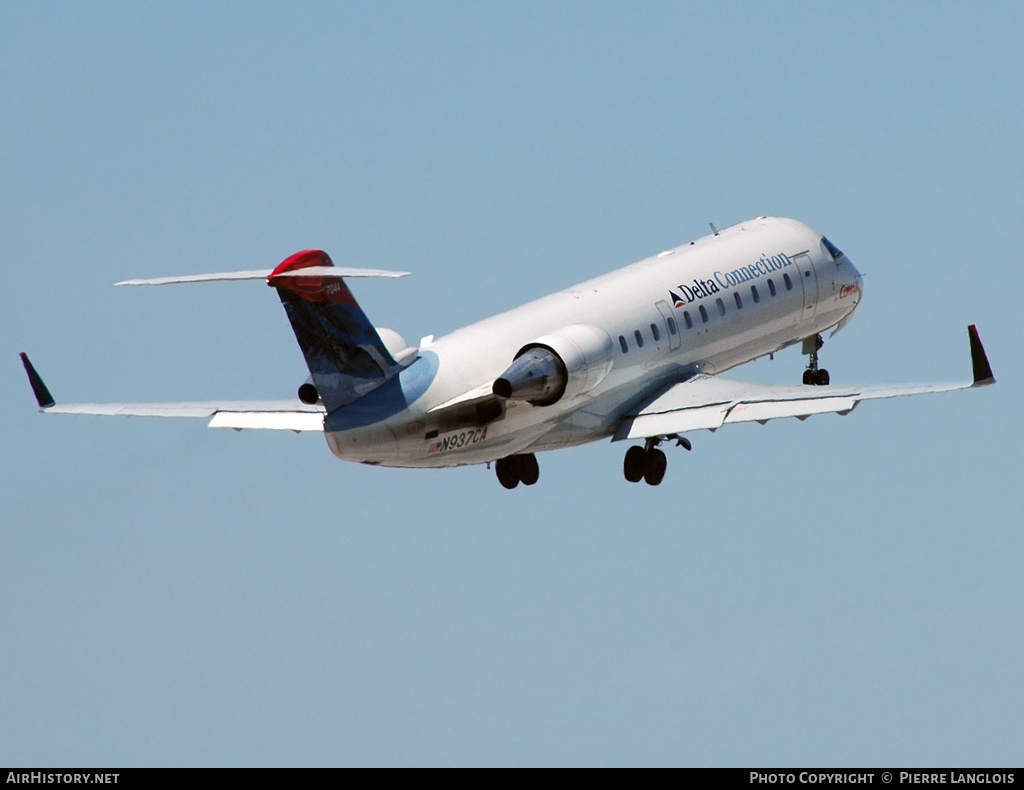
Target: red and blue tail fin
<point>343,350</point>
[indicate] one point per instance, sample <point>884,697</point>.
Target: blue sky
<point>842,591</point>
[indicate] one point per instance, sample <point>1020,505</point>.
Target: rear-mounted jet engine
<point>567,363</point>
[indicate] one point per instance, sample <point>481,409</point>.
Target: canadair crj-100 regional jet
<point>636,355</point>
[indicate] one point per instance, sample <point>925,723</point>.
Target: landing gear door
<point>671,327</point>
<point>809,282</point>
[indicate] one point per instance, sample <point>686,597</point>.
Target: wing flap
<point>763,411</point>
<point>664,423</point>
<point>279,421</point>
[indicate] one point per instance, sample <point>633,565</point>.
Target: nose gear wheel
<point>814,376</point>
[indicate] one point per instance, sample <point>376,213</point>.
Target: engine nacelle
<point>308,393</point>
<point>562,365</point>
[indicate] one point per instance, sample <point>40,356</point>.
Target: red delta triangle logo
<point>677,300</point>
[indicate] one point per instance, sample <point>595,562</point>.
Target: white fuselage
<point>702,290</point>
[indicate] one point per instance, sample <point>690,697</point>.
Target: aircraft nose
<point>851,282</point>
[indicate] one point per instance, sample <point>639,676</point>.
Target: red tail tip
<point>303,260</point>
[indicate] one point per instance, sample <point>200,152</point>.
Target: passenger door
<point>809,282</point>
<point>671,325</point>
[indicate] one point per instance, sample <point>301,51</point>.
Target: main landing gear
<point>516,469</point>
<point>814,375</point>
<point>648,463</point>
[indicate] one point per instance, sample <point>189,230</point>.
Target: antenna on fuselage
<point>713,228</point>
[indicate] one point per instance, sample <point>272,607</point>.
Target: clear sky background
<point>840,591</point>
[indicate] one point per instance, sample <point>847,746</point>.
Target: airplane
<point>636,355</point>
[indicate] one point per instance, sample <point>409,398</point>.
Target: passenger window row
<point>688,319</point>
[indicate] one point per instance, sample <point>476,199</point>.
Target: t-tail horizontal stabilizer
<point>262,274</point>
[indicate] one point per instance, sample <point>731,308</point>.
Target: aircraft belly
<point>581,427</point>
<point>374,444</point>
<point>471,445</point>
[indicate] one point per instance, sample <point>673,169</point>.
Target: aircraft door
<point>808,277</point>
<point>671,326</point>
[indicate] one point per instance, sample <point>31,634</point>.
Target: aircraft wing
<point>709,402</point>
<point>276,415</point>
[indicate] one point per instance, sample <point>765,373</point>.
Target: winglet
<point>982,370</point>
<point>43,396</point>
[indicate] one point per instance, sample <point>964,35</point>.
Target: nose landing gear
<point>814,375</point>
<point>516,469</point>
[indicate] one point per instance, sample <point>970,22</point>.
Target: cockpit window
<point>832,248</point>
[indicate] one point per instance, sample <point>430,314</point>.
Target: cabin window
<point>754,294</point>
<point>655,333</point>
<point>703,314</point>
<point>771,286</point>
<point>739,302</point>
<point>639,338</point>
<point>687,319</point>
<point>721,306</point>
<point>672,330</point>
<point>622,344</point>
<point>787,281</point>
